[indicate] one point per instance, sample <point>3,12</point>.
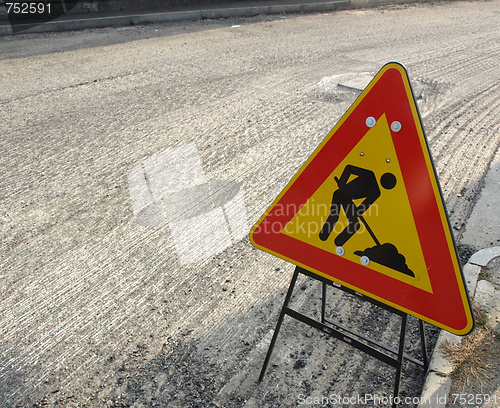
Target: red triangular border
<point>448,306</point>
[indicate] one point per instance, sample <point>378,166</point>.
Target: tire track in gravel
<point>468,130</point>
<point>56,295</point>
<point>479,63</point>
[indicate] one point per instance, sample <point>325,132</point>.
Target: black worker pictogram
<point>358,183</point>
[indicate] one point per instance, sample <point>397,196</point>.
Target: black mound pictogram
<point>387,255</point>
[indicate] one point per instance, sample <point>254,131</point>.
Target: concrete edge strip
<point>484,256</point>
<point>137,19</point>
<point>437,385</point>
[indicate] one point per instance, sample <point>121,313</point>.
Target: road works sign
<point>366,211</point>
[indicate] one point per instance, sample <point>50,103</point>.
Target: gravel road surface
<point>126,274</point>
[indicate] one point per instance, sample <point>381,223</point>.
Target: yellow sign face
<point>389,217</point>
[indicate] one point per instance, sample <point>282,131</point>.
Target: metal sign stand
<point>388,355</point>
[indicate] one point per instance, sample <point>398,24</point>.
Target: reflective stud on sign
<point>396,126</point>
<point>339,250</point>
<point>365,260</point>
<point>370,121</point>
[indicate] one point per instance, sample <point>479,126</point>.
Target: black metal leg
<point>278,325</point>
<point>323,302</point>
<point>349,336</point>
<point>423,340</point>
<point>401,350</point>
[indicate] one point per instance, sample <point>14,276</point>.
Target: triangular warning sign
<point>366,210</point>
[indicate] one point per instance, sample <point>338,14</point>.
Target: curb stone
<point>484,256</point>
<point>436,390</point>
<point>437,385</point>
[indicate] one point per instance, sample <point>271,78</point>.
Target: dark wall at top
<point>96,6</point>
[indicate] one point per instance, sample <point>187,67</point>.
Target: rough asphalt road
<point>96,307</point>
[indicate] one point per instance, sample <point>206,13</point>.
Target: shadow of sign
<point>204,217</point>
<point>24,15</point>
